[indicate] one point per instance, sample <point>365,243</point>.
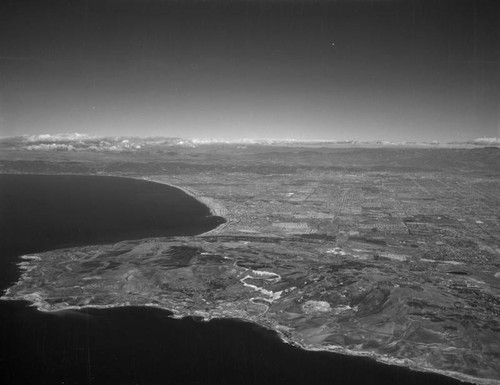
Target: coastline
<point>217,209</point>
<point>175,314</point>
<point>38,302</point>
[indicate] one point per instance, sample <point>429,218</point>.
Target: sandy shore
<point>216,209</point>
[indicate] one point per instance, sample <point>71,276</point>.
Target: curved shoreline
<point>175,314</point>
<point>39,303</point>
<point>216,209</point>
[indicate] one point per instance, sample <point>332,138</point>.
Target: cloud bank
<point>82,142</point>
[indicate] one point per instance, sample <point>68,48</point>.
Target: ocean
<point>139,345</point>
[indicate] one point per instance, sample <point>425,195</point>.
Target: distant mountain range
<point>84,142</point>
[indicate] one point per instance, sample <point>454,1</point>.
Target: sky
<point>399,70</point>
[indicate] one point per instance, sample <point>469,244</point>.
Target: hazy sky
<point>304,69</point>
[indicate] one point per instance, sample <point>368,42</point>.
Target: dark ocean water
<point>137,345</point>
